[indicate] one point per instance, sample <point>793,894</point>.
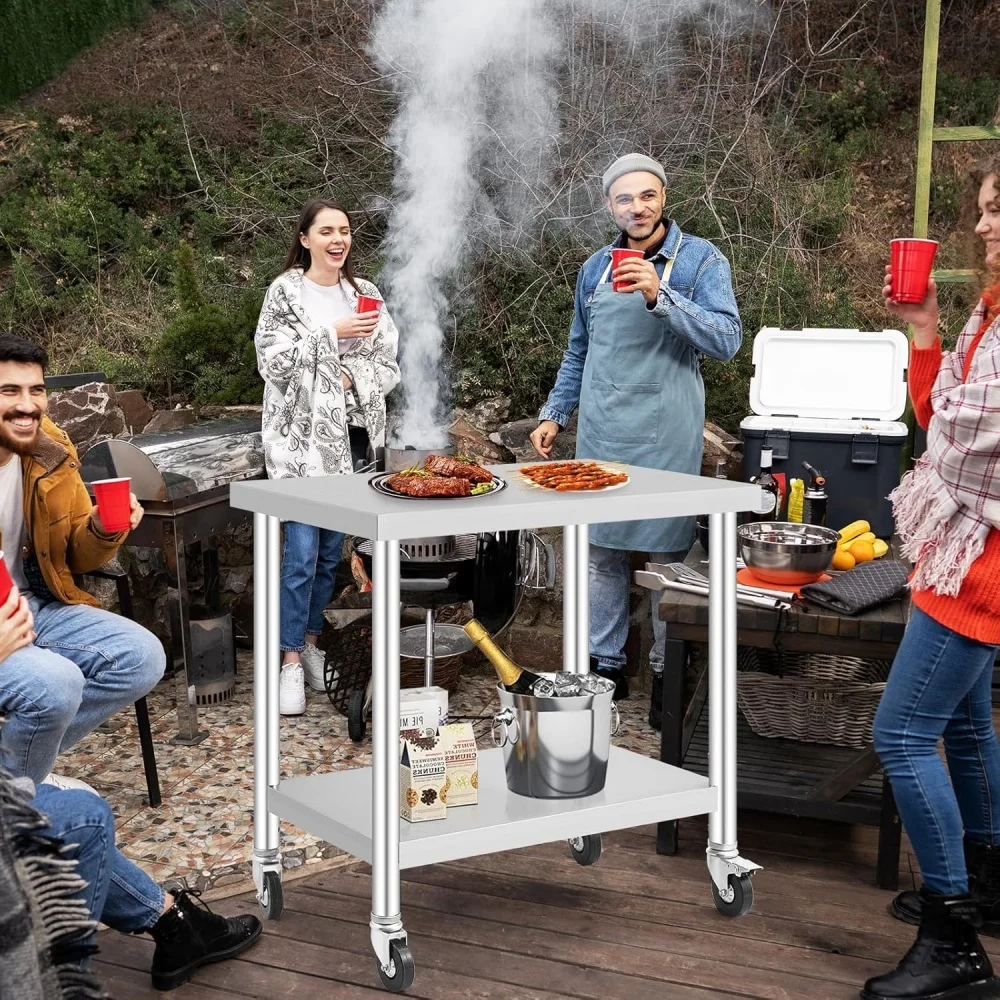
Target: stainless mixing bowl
<point>786,553</point>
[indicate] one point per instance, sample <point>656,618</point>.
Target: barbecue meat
<point>451,467</point>
<point>429,486</point>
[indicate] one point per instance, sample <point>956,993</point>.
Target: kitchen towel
<point>859,589</point>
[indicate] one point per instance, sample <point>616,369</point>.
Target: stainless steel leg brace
<point>723,854</point>
<point>386,921</point>
<point>576,598</point>
<point>266,669</point>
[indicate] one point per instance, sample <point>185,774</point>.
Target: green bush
<point>37,40</point>
<point>207,349</point>
<point>963,99</point>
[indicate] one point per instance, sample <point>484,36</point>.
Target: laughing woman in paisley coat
<point>327,369</point>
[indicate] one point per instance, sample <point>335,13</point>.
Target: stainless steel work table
<point>358,810</point>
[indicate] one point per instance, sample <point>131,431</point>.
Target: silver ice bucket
<point>555,748</point>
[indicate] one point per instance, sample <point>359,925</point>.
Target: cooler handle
<point>864,449</point>
<point>777,441</point>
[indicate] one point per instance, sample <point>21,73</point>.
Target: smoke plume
<point>481,84</point>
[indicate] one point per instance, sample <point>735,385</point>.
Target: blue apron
<point>642,402</point>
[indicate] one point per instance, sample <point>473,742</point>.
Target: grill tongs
<point>678,577</point>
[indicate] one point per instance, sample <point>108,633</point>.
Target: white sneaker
<point>67,784</point>
<point>314,665</point>
<point>291,690</point>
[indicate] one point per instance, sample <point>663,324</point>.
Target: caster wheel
<point>356,722</point>
<point>272,901</point>
<point>742,897</point>
<point>586,850</point>
<point>402,968</point>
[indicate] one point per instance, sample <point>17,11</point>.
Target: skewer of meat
<point>453,467</point>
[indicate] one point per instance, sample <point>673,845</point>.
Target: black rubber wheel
<point>356,722</point>
<point>742,900</point>
<point>586,850</point>
<point>273,900</point>
<point>402,962</point>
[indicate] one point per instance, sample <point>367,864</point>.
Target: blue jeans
<point>610,587</point>
<point>85,665</point>
<point>940,686</point>
<point>309,563</point>
<point>118,892</point>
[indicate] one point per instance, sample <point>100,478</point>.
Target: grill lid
<point>172,465</point>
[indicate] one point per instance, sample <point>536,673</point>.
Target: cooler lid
<point>829,373</point>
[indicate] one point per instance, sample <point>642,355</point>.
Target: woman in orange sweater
<point>948,515</point>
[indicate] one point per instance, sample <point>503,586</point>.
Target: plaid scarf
<point>44,924</point>
<point>947,505</point>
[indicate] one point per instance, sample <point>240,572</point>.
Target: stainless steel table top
<point>349,504</point>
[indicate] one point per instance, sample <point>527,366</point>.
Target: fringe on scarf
<point>938,538</point>
<point>62,924</point>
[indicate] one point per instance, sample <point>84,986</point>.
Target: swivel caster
<point>401,967</point>
<point>356,721</point>
<point>740,893</point>
<point>586,850</point>
<point>272,900</point>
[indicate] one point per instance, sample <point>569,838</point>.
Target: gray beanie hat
<point>629,164</point>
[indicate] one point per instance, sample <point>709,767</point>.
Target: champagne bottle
<point>515,679</point>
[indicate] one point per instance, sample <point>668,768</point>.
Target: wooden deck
<point>533,925</point>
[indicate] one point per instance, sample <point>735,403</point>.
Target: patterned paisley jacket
<point>305,407</point>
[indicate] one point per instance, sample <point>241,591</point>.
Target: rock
<point>88,414</point>
<point>467,440</point>
<point>719,445</point>
<point>536,649</point>
<point>235,580</point>
<point>489,414</point>
<point>515,437</point>
<point>170,420</point>
<point>106,591</point>
<point>247,411</point>
<point>136,411</point>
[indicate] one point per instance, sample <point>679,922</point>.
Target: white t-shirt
<point>325,304</point>
<point>12,520</point>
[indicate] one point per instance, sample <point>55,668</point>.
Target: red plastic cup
<point>113,504</point>
<point>368,304</point>
<point>617,257</point>
<point>6,583</point>
<point>912,261</point>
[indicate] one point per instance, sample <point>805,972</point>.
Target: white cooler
<point>832,398</point>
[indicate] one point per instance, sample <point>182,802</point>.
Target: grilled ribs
<point>429,486</point>
<point>469,471</point>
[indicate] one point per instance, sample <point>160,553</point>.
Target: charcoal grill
<point>182,479</point>
<point>490,570</point>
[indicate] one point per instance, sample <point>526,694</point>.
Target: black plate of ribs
<point>439,478</point>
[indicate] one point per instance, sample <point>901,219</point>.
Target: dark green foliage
<point>38,39</point>
<point>207,350</point>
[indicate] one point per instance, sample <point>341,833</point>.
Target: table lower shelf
<point>338,808</point>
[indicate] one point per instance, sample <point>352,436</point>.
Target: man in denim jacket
<point>632,368</point>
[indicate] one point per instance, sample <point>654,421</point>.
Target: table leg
<point>576,598</point>
<point>730,873</point>
<point>890,831</point>
<point>266,669</point>
<point>672,729</point>
<point>387,935</point>
<point>188,733</point>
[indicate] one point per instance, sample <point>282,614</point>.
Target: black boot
<point>618,676</point>
<point>656,702</point>
<point>982,862</point>
<point>946,961</point>
<point>189,935</point>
